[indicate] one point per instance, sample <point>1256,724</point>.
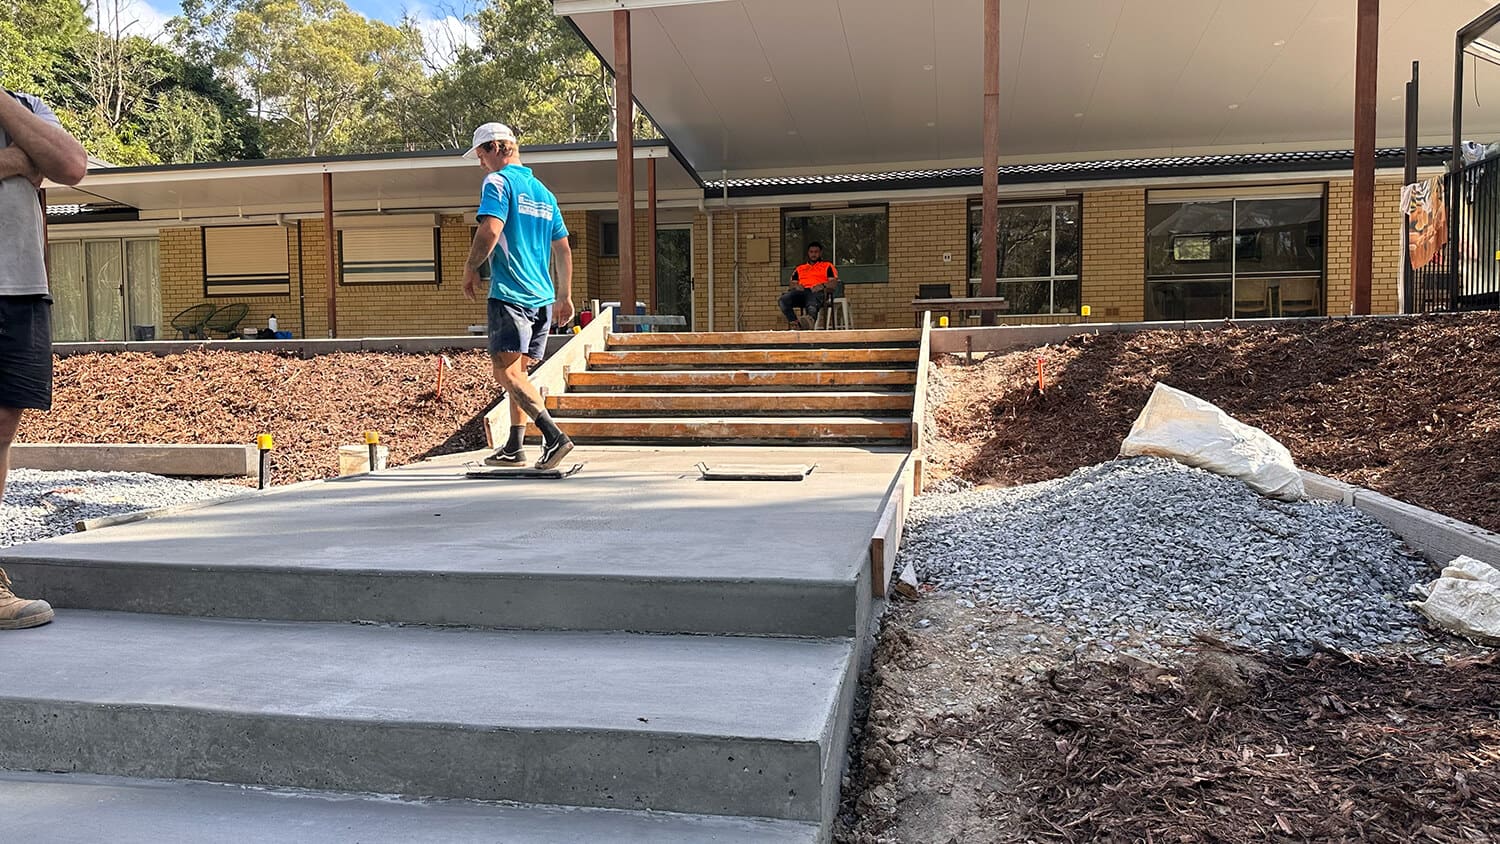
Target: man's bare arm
<point>15,162</point>
<point>486,235</point>
<point>56,154</point>
<point>562,255</point>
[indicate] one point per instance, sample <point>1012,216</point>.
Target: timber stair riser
<point>721,404</point>
<point>751,380</point>
<point>753,359</point>
<point>894,338</point>
<point>812,430</point>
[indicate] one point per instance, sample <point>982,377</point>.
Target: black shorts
<point>519,329</point>
<point>26,352</point>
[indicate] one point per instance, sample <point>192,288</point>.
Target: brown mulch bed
<point>1028,739</point>
<point>1234,748</point>
<point>310,406</point>
<point>1407,407</point>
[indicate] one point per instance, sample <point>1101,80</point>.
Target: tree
<point>319,73</point>
<point>530,71</point>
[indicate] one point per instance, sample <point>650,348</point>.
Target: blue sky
<point>151,15</point>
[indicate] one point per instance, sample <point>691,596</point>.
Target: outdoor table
<point>651,320</point>
<point>973,303</point>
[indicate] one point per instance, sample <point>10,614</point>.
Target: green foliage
<point>233,79</point>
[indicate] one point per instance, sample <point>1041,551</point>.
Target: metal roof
<point>1073,171</point>
<point>765,87</point>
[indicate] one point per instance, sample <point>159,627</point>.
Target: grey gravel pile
<point>1148,549</point>
<point>41,504</point>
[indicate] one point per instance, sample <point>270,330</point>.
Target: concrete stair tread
<point>84,809</point>
<point>633,542</point>
<point>766,688</point>
<point>719,725</point>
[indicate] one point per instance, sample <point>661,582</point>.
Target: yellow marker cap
<point>943,321</point>
<point>1085,310</point>
<point>264,442</point>
<point>372,437</point>
<point>577,329</point>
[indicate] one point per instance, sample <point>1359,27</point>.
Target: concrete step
<point>890,337</point>
<point>633,542</point>
<point>809,358</point>
<point>86,809</point>
<point>740,726</point>
<point>737,430</point>
<point>743,380</point>
<point>727,404</point>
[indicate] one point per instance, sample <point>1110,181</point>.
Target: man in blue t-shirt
<point>520,235</point>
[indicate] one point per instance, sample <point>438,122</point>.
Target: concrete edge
<point>226,460</point>
<point>1005,338</point>
<point>1439,538</point>
<point>300,348</point>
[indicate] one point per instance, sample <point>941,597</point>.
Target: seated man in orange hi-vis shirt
<point>811,288</point>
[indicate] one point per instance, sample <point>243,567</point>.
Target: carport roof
<point>788,87</point>
<point>579,174</point>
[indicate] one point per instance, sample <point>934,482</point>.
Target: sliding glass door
<point>104,289</point>
<point>1238,257</point>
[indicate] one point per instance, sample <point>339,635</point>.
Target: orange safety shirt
<point>815,274</point>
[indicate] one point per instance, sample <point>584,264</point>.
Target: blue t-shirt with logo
<point>520,266</point>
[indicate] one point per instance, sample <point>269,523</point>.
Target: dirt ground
<point>1407,407</point>
<point>310,406</point>
<point>988,727</point>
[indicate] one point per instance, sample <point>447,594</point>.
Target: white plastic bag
<point>1465,600</point>
<point>1194,432</point>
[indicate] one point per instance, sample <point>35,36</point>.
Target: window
<point>1257,254</point>
<point>389,256</point>
<point>245,261</point>
<point>854,239</point>
<point>1038,246</point>
<point>609,238</point>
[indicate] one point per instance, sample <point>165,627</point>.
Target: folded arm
<point>54,153</point>
<point>15,162</point>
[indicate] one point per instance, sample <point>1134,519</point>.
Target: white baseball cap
<point>490,132</point>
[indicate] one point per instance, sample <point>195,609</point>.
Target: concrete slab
<point>702,724</point>
<point>636,541</point>
<point>218,461</point>
<point>84,809</point>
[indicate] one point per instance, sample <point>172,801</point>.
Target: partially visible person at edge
<point>33,146</point>
<point>520,234</point>
<point>811,286</point>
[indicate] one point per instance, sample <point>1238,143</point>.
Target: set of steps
<point>607,658</point>
<point>744,388</point>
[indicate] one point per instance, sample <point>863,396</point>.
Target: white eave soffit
<point>584,7</point>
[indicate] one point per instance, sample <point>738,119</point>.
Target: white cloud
<point>443,37</point>
<point>128,17</point>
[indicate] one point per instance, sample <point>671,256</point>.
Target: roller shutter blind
<point>389,256</point>
<point>246,261</point>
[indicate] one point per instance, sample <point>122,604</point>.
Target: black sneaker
<point>501,457</point>
<point>554,452</point>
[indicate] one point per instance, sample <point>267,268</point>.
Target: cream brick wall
<point>1114,254</point>
<point>181,265</point>
<point>1386,273</point>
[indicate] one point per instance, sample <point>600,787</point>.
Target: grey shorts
<point>26,352</point>
<point>519,329</point>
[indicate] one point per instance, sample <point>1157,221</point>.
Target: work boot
<point>16,613</point>
<point>806,322</point>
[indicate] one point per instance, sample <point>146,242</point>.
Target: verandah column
<point>625,159</point>
<point>328,257</point>
<point>990,216</point>
<point>1366,66</point>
